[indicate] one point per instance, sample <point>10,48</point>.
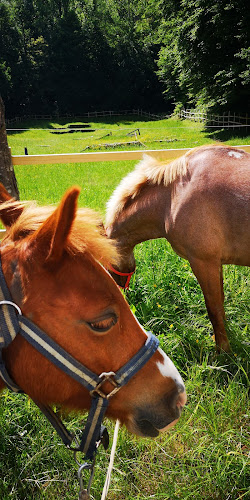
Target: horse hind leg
<point>210,278</point>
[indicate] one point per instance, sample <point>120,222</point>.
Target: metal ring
<point>8,302</point>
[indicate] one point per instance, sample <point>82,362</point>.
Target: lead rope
<point>111,462</point>
<point>84,494</point>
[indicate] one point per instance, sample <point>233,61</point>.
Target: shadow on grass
<point>22,127</point>
<point>224,135</point>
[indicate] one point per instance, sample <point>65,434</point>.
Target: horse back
<point>221,165</point>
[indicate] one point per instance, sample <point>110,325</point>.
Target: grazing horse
<point>53,264</point>
<point>200,203</point>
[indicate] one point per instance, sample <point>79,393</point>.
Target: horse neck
<point>143,218</point>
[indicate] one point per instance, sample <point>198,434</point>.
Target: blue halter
<point>13,322</point>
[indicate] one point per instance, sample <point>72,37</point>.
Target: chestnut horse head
<point>200,203</point>
<point>54,262</point>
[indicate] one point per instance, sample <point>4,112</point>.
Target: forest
<point>73,56</point>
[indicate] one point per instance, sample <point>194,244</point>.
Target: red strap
<point>129,275</point>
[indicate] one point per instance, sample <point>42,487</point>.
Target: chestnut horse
<point>200,203</point>
<point>53,262</point>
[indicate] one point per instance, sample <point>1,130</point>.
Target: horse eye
<point>103,324</point>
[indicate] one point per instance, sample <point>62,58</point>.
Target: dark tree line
<point>59,56</point>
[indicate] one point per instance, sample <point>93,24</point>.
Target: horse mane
<point>150,171</point>
<point>87,234</point>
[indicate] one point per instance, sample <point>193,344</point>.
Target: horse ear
<point>4,195</point>
<point>10,213</point>
<point>50,238</point>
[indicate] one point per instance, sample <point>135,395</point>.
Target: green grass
<point>206,455</point>
<point>162,134</point>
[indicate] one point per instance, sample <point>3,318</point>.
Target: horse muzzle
<point>150,420</point>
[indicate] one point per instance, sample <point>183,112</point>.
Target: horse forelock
<point>86,235</point>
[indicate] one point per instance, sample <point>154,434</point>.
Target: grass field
<point>207,455</point>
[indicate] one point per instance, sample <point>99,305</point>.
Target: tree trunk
<point>7,174</point>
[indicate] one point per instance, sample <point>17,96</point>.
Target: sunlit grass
<point>105,134</point>
<point>47,183</point>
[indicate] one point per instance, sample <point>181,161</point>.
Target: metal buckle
<point>106,377</point>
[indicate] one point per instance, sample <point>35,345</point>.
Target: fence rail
<point>160,154</point>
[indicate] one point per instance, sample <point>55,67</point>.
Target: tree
<point>204,57</point>
<point>7,174</point>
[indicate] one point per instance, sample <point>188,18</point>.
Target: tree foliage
<point>76,55</point>
<point>204,56</point>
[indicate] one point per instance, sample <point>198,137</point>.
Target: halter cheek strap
<point>13,322</point>
<point>129,275</point>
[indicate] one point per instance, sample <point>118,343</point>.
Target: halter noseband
<point>13,322</point>
<point>129,275</point>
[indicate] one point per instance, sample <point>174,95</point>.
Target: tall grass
<point>206,455</point>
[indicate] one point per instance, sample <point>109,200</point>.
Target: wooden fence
<point>89,114</point>
<point>226,120</point>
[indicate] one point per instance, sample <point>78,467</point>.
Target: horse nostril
<point>182,399</point>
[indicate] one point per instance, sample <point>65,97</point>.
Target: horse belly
<point>209,224</point>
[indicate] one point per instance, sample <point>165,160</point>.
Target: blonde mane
<point>148,171</point>
<point>87,234</point>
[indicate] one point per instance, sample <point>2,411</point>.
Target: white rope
<point>111,462</point>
